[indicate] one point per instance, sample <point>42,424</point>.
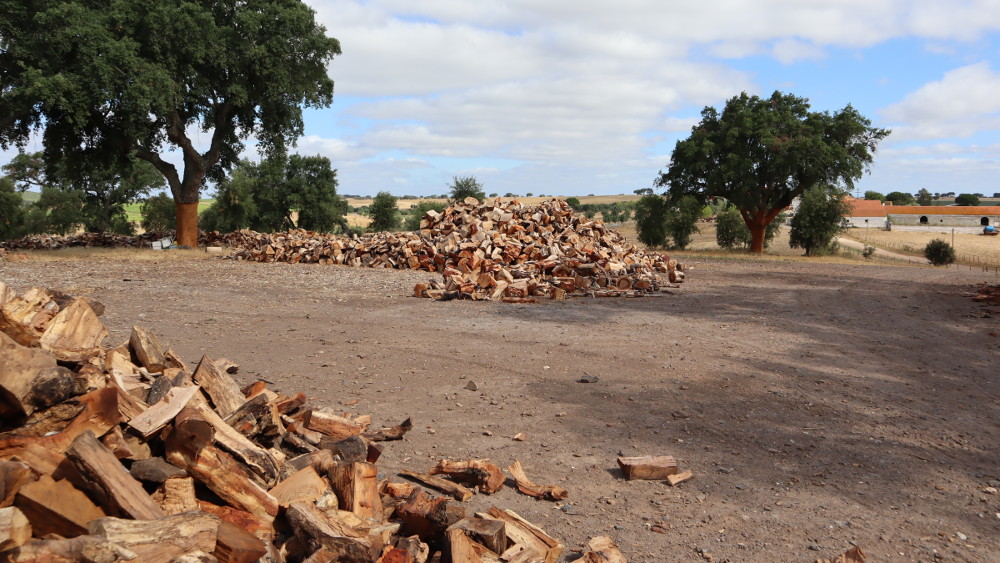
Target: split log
<point>221,389</point>
<point>391,433</point>
<point>75,334</point>
<point>236,545</point>
<point>679,478</point>
<point>520,531</point>
<point>406,550</point>
<point>853,555</point>
<point>333,425</point>
<point>526,486</point>
<point>602,549</point>
<point>81,548</point>
<point>261,464</point>
<point>161,539</point>
<point>304,485</point>
<point>488,532</point>
<point>648,467</point>
<point>115,441</point>
<point>223,475</point>
<point>56,507</point>
<point>356,486</point>
<point>15,530</point>
<point>461,547</point>
<point>100,413</point>
<point>146,349</point>
<point>318,532</point>
<point>176,495</point>
<point>428,517</point>
<point>155,470</point>
<point>30,380</point>
<point>13,476</point>
<point>450,487</point>
<point>479,472</point>
<point>228,365</point>
<point>260,528</point>
<point>159,415</point>
<point>24,317</point>
<point>350,449</point>
<point>108,482</point>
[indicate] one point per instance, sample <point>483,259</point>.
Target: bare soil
<point>817,404</point>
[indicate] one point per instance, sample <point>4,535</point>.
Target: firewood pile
<point>500,250</point>
<point>88,240</point>
<point>988,294</point>
<point>124,454</point>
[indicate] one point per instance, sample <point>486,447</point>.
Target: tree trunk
<point>757,221</point>
<point>187,224</point>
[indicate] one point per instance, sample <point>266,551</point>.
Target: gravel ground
<point>818,405</point>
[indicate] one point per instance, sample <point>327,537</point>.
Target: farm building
<point>875,214</point>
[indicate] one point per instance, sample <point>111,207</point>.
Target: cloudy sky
<point>578,97</point>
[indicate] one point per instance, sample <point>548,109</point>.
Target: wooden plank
<point>108,482</point>
<point>648,467</point>
<point>220,388</point>
<point>154,418</point>
<point>162,539</point>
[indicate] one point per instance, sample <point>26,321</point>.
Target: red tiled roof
<point>868,208</point>
<point>979,211</point>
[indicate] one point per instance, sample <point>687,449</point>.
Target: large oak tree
<point>114,78</point>
<point>761,153</point>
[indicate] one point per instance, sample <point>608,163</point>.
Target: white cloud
<point>793,50</point>
<point>961,104</point>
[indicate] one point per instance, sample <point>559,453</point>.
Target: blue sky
<point>565,97</point>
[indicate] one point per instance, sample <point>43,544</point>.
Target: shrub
<point>573,202</point>
<point>384,213</point>
<point>159,213</point>
<point>939,252</point>
<point>818,220</point>
<point>650,220</point>
<point>868,252</point>
<point>682,220</point>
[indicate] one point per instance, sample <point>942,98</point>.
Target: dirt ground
<point>818,405</point>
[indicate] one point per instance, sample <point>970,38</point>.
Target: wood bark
<point>81,548</point>
<point>450,487</point>
<point>30,380</point>
<point>488,477</point>
<point>318,532</point>
<point>99,414</point>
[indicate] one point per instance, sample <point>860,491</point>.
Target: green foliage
<point>924,197</point>
<point>26,170</point>
<point>416,213</point>
<point>158,214</point>
<point>650,220</point>
<point>967,199</point>
<point>818,219</point>
<point>901,198</point>
<point>731,230</point>
<point>13,215</point>
<point>762,153</point>
<point>874,196</point>
<point>939,252</point>
<point>466,186</point>
<point>868,252</point>
<point>682,219</point>
<point>383,213</point>
<point>120,77</point>
<point>264,196</point>
<point>573,202</point>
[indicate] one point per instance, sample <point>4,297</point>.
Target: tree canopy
<point>466,186</point>
<point>901,198</point>
<point>967,199</point>
<point>818,219</point>
<point>761,153</point>
<point>113,78</point>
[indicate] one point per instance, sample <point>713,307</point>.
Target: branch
<point>223,126</point>
<point>168,170</point>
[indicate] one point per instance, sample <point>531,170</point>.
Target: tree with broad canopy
<point>123,78</point>
<point>761,153</point>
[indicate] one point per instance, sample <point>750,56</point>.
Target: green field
<point>134,215</point>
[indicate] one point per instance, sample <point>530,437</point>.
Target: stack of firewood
<point>124,454</point>
<point>89,240</point>
<point>498,250</point>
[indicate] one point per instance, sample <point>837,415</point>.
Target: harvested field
<point>967,245</point>
<point>816,404</point>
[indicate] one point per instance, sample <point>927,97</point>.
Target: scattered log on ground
<point>526,486</point>
<point>602,549</point>
<point>648,467</point>
<point>450,487</point>
<point>486,476</point>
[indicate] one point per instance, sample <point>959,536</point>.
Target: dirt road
<point>817,405</point>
